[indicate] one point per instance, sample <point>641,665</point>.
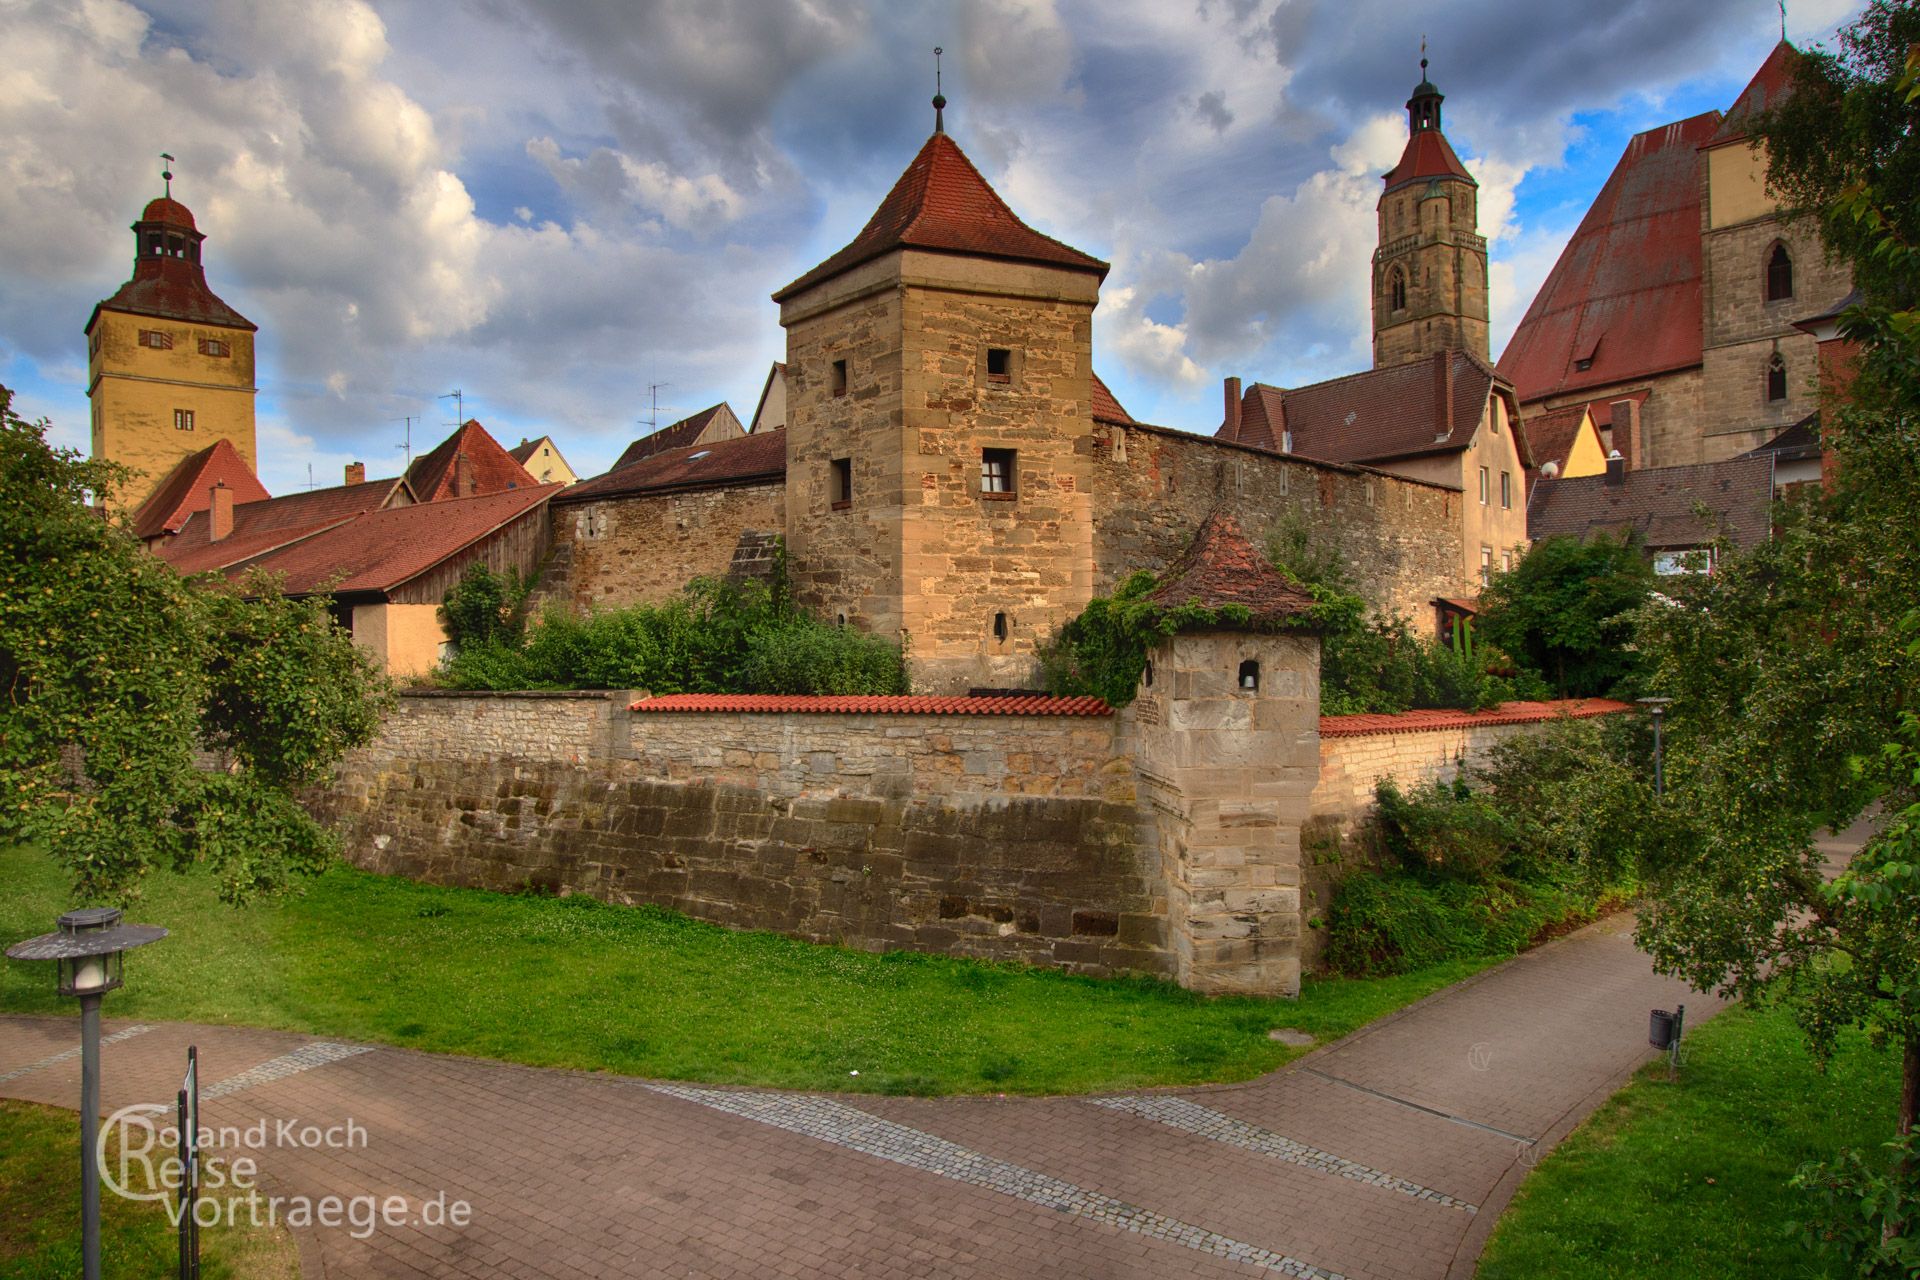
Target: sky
<point>554,205</point>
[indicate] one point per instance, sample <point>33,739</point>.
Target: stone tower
<point>169,365</point>
<point>939,378</point>
<point>1430,271</point>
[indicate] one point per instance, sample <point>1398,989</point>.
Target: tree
<point>1566,611</point>
<point>118,674</point>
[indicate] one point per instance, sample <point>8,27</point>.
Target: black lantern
<point>88,949</point>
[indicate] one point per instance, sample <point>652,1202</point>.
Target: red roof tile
<point>1106,407</point>
<point>942,203</point>
<point>1428,155</point>
<point>381,550</point>
<point>1551,435</point>
<point>434,475</point>
<point>878,705</point>
<point>1222,568</point>
<point>1626,290</point>
<point>760,458</point>
<point>1405,410</point>
<point>262,526</point>
<point>1771,83</point>
<point>171,289</point>
<point>1663,504</point>
<point>1506,713</point>
<point>685,432</point>
<point>185,489</point>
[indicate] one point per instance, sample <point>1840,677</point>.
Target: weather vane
<point>939,98</point>
<point>1423,56</point>
<point>166,173</point>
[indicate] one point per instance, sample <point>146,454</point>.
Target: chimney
<point>219,512</point>
<point>462,476</point>
<point>356,473</point>
<point>1625,416</point>
<point>1444,361</point>
<point>1231,431</point>
<point>1616,468</point>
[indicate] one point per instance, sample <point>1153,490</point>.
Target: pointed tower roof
<point>1771,83</point>
<point>942,203</point>
<point>169,281</point>
<point>1428,154</point>
<point>185,489</point>
<point>1222,568</point>
<point>434,476</point>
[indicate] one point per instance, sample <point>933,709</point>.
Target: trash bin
<point>1660,1029</point>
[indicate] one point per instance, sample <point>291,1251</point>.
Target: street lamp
<point>88,947</point>
<point>1657,708</point>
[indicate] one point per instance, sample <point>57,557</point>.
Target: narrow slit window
<point>842,483</point>
<point>1779,274</point>
<point>1399,290</point>
<point>997,471</point>
<point>1000,628</point>
<point>1485,486</point>
<point>839,382</point>
<point>1506,490</point>
<point>1776,379</point>
<point>1250,676</point>
<point>999,364</point>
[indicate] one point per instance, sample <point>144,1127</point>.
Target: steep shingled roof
<point>1106,407</point>
<point>1660,504</point>
<point>1222,568</point>
<point>1428,155</point>
<point>382,550</point>
<point>165,286</point>
<point>1403,411</point>
<point>1770,84</point>
<point>185,489</point>
<point>760,458</point>
<point>942,203</point>
<point>274,522</point>
<point>434,475</point>
<point>679,434</point>
<point>1626,292</point>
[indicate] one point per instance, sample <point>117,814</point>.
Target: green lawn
<point>40,1216</point>
<point>572,982</point>
<point>1690,1179</point>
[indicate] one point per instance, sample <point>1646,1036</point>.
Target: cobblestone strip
<point>850,1127</point>
<point>1207,1123</point>
<point>125,1033</point>
<point>305,1058</point>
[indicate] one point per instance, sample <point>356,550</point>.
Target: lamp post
<point>1657,708</point>
<point>88,947</point>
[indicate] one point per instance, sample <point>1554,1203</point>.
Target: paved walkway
<point>1387,1155</point>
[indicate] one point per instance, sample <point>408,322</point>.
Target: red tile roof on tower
<point>381,550</point>
<point>1222,568</point>
<point>760,458</point>
<point>684,432</point>
<point>1422,407</point>
<point>1770,84</point>
<point>1106,407</point>
<point>1626,292</point>
<point>1550,436</point>
<point>942,203</point>
<point>185,489</point>
<point>169,287</point>
<point>1428,155</point>
<point>434,475</point>
<point>262,526</point>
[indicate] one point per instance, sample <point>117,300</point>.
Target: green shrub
<point>1566,612</point>
<point>1394,921</point>
<point>483,608</point>
<point>1443,830</point>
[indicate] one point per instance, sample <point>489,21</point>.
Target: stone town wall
<point>1002,837</point>
<point>1152,487</point>
<point>644,549</point>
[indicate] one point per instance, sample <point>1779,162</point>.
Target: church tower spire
<point>1430,270</point>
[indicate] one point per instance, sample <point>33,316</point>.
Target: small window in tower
<point>839,383</point>
<point>842,487</point>
<point>158,339</point>
<point>183,419</point>
<point>997,472</point>
<point>1779,274</point>
<point>999,364</point>
<point>1506,490</point>
<point>1776,379</point>
<point>156,245</point>
<point>1399,290</point>
<point>1250,676</point>
<point>1149,673</point>
<point>93,343</point>
<point>1000,628</point>
<point>215,347</point>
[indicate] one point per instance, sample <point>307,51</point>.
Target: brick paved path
<point>1387,1155</point>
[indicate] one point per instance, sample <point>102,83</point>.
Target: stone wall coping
<point>894,704</point>
<point>536,695</point>
<point>1363,726</point>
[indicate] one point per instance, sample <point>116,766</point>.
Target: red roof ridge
<point>1221,569</point>
<point>1425,721</point>
<point>874,704</point>
<point>184,490</point>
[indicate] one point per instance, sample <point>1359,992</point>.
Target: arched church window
<point>1776,378</point>
<point>1397,288</point>
<point>1779,274</point>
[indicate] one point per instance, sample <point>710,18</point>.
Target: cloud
<point>1211,107</point>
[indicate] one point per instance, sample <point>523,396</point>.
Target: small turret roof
<point>1222,568</point>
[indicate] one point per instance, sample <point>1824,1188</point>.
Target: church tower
<point>169,365</point>
<point>1430,271</point>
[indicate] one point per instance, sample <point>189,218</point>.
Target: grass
<point>40,1216</point>
<point>1690,1179</point>
<point>571,982</point>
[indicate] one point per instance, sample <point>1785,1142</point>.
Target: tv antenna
<point>653,411</point>
<point>407,444</point>
<point>309,477</point>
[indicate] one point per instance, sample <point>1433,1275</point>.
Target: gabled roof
<point>433,475</point>
<point>1626,292</point>
<point>185,489</point>
<point>527,448</point>
<point>261,526</point>
<point>1107,408</point>
<point>760,458</point>
<point>1770,84</point>
<point>1550,435</point>
<point>1222,568</point>
<point>381,550</point>
<point>778,373</point>
<point>942,203</point>
<point>1422,407</point>
<point>1428,155</point>
<point>684,432</point>
<point>1660,504</point>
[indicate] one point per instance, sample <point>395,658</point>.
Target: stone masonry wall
<point>1152,488</point>
<point>643,549</point>
<point>1012,838</point>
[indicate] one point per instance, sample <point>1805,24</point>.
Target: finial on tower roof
<point>166,173</point>
<point>939,98</point>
